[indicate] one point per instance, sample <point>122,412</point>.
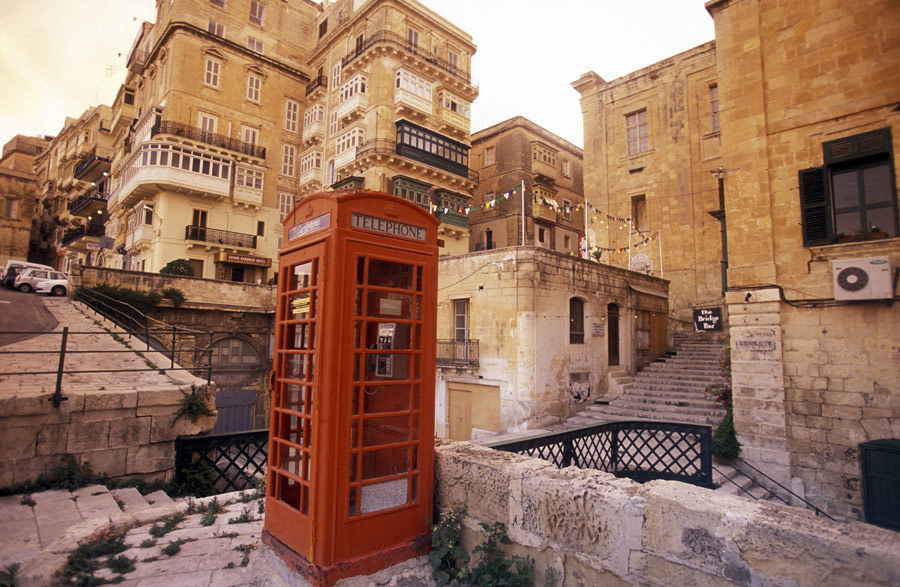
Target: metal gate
<point>235,408</point>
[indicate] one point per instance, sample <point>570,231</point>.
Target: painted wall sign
<point>388,227</point>
<point>245,259</point>
<point>317,223</point>
<point>708,320</point>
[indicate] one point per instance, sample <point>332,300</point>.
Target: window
<point>323,28</point>
<point>714,108</point>
<point>455,104</point>
<point>212,73</point>
<point>359,44</point>
<point>414,191</point>
<point>254,83</point>
<point>333,124</point>
<point>288,158</point>
<point>291,115</point>
<point>336,74</point>
<point>567,211</point>
<point>148,215</point>
<point>853,192</point>
<point>542,153</point>
<point>218,3</point>
<point>576,321</point>
<point>199,218</point>
<point>452,60</point>
<point>349,140</point>
<point>490,156</point>
<point>567,243</point>
<point>566,168</point>
<point>312,160</point>
<point>208,123</point>
<point>257,12</point>
<point>413,83</point>
<point>250,178</point>
<point>355,86</point>
<point>636,132</point>
<point>460,320</point>
<point>285,205</point>
<point>254,44</point>
<point>412,40</point>
<point>216,28</point>
<point>250,135</point>
<point>314,115</point>
<point>542,237</point>
<point>128,97</point>
<point>639,213</point>
<point>418,143</point>
<point>12,209</point>
<point>260,228</point>
<point>185,159</point>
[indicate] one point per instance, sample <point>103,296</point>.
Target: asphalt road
<point>22,312</point>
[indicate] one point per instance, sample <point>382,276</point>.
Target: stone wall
<point>590,528</point>
<point>119,432</point>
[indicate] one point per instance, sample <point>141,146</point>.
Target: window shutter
<point>815,207</point>
<point>874,142</point>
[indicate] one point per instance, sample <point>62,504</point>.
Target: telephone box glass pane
<point>302,276</point>
<point>380,399</point>
<point>390,274</point>
<point>389,305</point>
<point>385,462</point>
<point>389,430</point>
<point>288,491</point>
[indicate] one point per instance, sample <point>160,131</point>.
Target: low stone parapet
<point>588,527</point>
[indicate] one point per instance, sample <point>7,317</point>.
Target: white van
<point>18,267</point>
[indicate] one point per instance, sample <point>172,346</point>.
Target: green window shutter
<point>815,207</point>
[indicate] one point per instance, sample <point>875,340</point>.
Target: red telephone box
<point>351,445</point>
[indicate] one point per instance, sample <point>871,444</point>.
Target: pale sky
<point>60,57</point>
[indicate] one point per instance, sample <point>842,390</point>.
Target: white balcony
<point>314,132</point>
<point>415,104</point>
<point>310,175</point>
<point>139,238</point>
<point>247,196</point>
<point>345,158</point>
<point>353,106</point>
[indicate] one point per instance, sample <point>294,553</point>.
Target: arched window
<point>576,321</point>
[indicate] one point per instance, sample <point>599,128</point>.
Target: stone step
<point>130,500</point>
<point>159,499</point>
<point>683,402</point>
<point>652,409</point>
<point>732,482</point>
<point>617,413</point>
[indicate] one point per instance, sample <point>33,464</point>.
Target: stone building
<point>810,127</point>
<point>18,196</point>
<point>527,335</point>
<point>388,109</point>
<point>652,159</point>
<point>206,132</point>
<point>74,188</point>
<point>518,152</point>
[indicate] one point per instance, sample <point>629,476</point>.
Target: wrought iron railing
<point>457,353</point>
<point>194,133</point>
<point>400,42</point>
<point>222,237</point>
<point>237,460</point>
<point>95,193</point>
<point>320,81</point>
<point>643,451</point>
<point>76,233</point>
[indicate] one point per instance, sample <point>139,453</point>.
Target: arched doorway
<point>612,336</point>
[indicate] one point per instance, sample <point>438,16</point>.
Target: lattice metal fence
<point>642,451</point>
<point>237,459</point>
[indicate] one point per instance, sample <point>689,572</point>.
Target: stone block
<point>107,415</point>
<point>52,439</point>
<point>96,402</point>
<point>17,442</point>
<point>31,469</point>
<point>151,458</point>
<point>109,463</point>
<point>86,436</point>
<point>844,412</point>
<point>129,432</point>
<point>159,397</point>
<point>583,571</point>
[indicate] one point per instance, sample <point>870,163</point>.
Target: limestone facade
<point>652,156</point>
<point>388,109</point>
<point>586,527</point>
<point>18,196</point>
<point>518,152</point>
<point>809,147</point>
<point>542,329</point>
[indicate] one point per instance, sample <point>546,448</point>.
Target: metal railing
<point>95,193</point>
<point>395,40</point>
<point>457,353</point>
<point>222,237</point>
<point>237,460</point>
<point>389,147</point>
<point>320,81</point>
<point>643,451</point>
<point>194,133</point>
<point>72,234</point>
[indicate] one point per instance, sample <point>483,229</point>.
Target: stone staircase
<point>669,390</point>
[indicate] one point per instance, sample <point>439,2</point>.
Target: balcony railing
<point>209,138</point>
<point>457,353</point>
<point>389,147</point>
<point>452,218</point>
<point>73,234</point>
<point>91,159</point>
<point>400,42</point>
<point>319,81</point>
<point>220,237</point>
<point>92,195</point>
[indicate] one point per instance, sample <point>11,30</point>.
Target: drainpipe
<point>720,216</point>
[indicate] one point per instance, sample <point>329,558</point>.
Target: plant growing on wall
<point>724,440</point>
<point>178,267</point>
<point>448,559</point>
<point>175,295</point>
<point>194,405</point>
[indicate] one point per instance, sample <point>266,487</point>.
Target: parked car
<point>14,268</point>
<point>26,280</point>
<point>54,287</point>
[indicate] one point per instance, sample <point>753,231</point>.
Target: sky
<point>60,57</point>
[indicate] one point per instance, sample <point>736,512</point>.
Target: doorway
<point>612,337</point>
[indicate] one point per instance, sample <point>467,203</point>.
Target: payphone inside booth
<point>351,451</point>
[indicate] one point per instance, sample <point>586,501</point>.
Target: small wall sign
<point>708,320</point>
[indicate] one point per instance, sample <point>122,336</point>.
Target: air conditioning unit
<point>868,278</point>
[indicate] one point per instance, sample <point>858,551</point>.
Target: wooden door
<point>657,335</point>
<point>460,414</point>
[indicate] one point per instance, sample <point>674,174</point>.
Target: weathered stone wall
<point>591,528</point>
<point>119,432</point>
<point>519,312</point>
